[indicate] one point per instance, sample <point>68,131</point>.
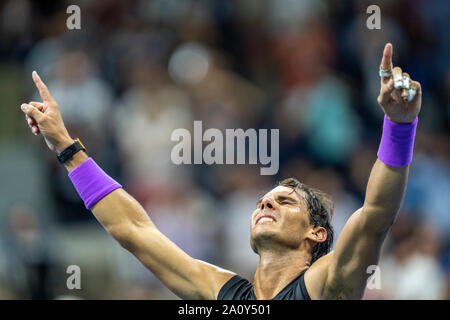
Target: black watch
<point>68,152</point>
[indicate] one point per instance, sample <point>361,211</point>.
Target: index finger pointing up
<point>386,62</point>
<point>43,90</point>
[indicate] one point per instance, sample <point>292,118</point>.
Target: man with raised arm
<point>290,227</point>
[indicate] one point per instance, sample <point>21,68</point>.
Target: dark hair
<point>320,208</point>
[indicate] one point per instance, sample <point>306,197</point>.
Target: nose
<point>267,203</point>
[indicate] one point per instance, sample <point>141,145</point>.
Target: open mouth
<point>265,219</point>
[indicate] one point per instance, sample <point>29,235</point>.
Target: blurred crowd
<point>137,70</point>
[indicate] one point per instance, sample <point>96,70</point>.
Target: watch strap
<point>68,153</point>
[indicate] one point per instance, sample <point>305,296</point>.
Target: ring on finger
<point>398,81</point>
<point>406,82</point>
<point>385,73</point>
<point>411,93</point>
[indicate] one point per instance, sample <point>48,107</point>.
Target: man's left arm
<point>342,274</point>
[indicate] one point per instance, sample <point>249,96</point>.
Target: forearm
<point>123,217</point>
<point>389,176</point>
<point>118,212</point>
<point>384,194</point>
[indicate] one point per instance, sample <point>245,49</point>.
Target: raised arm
<point>124,218</point>
<point>342,274</point>
<point>389,176</point>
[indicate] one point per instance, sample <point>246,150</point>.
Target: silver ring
<point>385,73</point>
<point>406,82</point>
<point>398,81</point>
<point>411,93</point>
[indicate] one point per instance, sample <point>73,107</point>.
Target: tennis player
<point>290,226</point>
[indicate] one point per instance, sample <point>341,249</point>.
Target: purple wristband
<point>397,143</point>
<point>92,183</point>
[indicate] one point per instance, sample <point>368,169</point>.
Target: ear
<point>317,234</point>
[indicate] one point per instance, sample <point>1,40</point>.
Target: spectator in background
<point>430,183</point>
<point>413,270</point>
<point>29,265</point>
<point>150,109</point>
<point>87,98</point>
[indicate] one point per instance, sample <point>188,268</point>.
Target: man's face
<point>281,217</point>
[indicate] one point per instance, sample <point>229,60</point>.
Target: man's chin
<point>261,237</point>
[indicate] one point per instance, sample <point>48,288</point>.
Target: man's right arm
<point>125,219</point>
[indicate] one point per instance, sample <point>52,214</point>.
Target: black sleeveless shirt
<point>238,288</point>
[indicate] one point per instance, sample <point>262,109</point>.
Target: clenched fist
<point>45,118</point>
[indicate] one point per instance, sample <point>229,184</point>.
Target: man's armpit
<point>316,276</point>
<point>339,292</point>
<point>350,287</point>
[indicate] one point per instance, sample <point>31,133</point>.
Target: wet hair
<point>320,208</point>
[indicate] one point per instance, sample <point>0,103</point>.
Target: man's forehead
<point>285,191</point>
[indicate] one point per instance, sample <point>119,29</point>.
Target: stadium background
<point>139,69</point>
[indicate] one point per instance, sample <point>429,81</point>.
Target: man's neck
<point>276,270</point>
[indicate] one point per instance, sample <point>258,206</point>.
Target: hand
<point>395,102</point>
<point>46,118</point>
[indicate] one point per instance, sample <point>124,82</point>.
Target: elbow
<point>127,236</point>
<point>123,235</point>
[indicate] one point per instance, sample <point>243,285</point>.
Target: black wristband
<point>68,152</point>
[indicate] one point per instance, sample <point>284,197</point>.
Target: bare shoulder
<point>217,277</point>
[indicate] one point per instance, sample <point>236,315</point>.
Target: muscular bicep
<point>357,248</point>
<point>185,276</point>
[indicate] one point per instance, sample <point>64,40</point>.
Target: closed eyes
<point>283,200</point>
